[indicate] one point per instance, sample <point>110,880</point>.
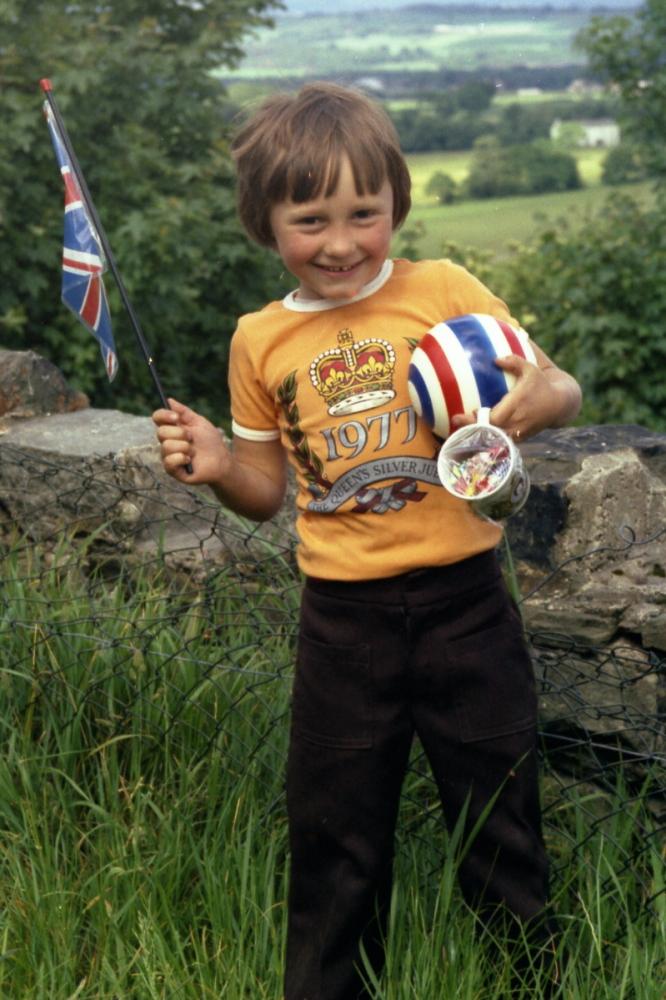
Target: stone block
<point>30,385</point>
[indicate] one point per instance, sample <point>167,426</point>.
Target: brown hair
<point>291,148</point>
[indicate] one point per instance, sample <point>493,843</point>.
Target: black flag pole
<point>47,88</point>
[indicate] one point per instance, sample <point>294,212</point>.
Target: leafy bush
<point>443,187</point>
<point>533,168</point>
<point>623,164</point>
<point>594,297</point>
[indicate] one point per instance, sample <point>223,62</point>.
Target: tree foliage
<point>628,53</point>
<point>149,124</point>
<point>594,297</point>
<point>534,168</point>
<point>448,119</point>
<point>624,164</point>
<point>520,123</point>
<point>443,187</point>
<point>457,117</point>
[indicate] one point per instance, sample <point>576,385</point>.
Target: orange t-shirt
<point>329,379</point>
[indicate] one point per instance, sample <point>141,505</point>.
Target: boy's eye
<point>308,220</point>
<point>364,213</point>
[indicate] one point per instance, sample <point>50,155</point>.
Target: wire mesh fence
<point>137,613</point>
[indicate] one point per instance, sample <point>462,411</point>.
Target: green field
<point>493,224</point>
<point>411,39</point>
<point>423,165</point>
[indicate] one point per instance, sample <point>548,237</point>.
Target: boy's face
<point>336,245</point>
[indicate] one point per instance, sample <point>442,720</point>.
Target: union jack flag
<point>82,258</point>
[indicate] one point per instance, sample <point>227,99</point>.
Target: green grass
<point>533,95</point>
<point>144,849</point>
<point>494,224</point>
<point>457,164</point>
<point>423,165</point>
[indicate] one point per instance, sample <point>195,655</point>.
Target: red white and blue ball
<point>453,368</point>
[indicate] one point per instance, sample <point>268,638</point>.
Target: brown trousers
<point>438,653</point>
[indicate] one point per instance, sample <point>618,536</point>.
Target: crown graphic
<point>355,375</point>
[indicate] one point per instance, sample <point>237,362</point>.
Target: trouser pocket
<point>331,695</point>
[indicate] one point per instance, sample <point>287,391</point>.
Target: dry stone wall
<point>589,547</point>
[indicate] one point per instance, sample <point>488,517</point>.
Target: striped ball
<point>453,371</point>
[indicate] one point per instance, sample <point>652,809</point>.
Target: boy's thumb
<point>184,413</point>
<point>177,407</point>
<point>511,363</point>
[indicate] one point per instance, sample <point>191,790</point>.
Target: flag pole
<point>47,87</point>
<point>108,253</point>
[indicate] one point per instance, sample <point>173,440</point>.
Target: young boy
<point>406,625</point>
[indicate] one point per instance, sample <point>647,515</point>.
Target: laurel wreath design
<point>312,465</point>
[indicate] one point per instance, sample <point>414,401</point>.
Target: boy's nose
<point>339,242</point>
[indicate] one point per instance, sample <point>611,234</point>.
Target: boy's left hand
<point>532,403</point>
<point>543,396</point>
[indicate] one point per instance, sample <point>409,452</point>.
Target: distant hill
<point>404,47</point>
<point>324,6</point>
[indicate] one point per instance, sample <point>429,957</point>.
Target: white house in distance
<point>595,132</point>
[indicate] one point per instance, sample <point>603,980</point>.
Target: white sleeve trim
<point>249,434</point>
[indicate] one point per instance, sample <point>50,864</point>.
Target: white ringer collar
<point>291,301</point>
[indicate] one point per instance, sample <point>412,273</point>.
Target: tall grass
<point>144,855</point>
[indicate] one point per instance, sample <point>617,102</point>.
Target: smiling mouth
<point>337,270</point>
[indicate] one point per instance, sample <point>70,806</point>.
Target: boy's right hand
<point>250,480</point>
<point>187,437</point>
